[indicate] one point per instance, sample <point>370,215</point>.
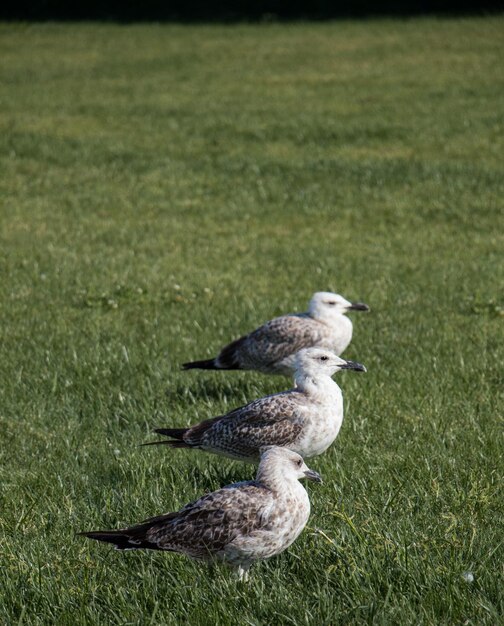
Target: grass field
<point>164,189</point>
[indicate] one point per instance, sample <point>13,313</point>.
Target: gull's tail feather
<point>228,358</point>
<point>172,443</point>
<point>174,433</point>
<point>119,539</point>
<point>176,441</point>
<point>208,364</point>
<point>122,540</point>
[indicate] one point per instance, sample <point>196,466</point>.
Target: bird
<point>237,524</point>
<point>272,347</point>
<point>305,419</point>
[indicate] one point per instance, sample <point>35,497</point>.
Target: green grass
<point>164,189</point>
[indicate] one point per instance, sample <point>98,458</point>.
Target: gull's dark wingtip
<point>206,364</point>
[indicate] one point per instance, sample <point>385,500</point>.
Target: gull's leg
<point>243,572</point>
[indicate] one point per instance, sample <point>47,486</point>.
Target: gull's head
<point>316,362</point>
<point>327,305</point>
<point>284,464</point>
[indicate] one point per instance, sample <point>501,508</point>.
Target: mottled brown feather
<point>271,342</point>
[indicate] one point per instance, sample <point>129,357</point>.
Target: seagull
<point>272,347</point>
<point>305,419</point>
<point>238,524</point>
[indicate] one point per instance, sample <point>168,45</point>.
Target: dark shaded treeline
<point>229,10</point>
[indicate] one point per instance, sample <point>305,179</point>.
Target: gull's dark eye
<point>331,303</point>
<point>324,358</point>
<point>299,462</point>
